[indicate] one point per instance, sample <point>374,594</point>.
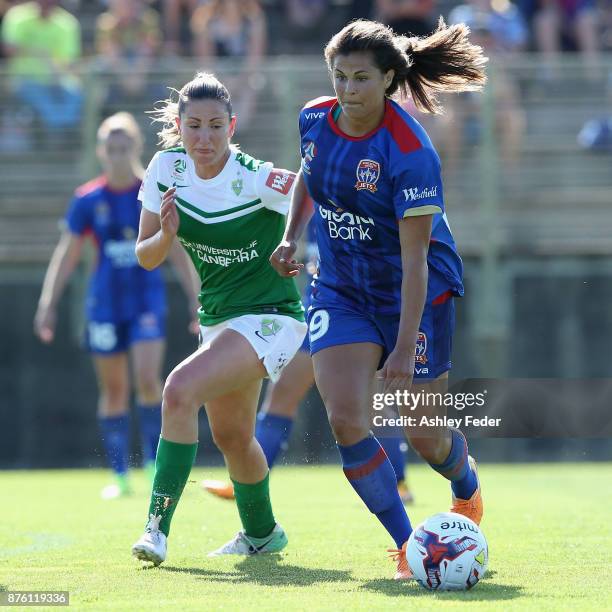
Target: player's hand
<point>168,215</point>
<point>397,371</point>
<point>44,324</point>
<point>282,259</point>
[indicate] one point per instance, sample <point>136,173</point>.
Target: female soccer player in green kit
<point>228,211</point>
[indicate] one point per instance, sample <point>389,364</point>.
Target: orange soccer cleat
<point>472,508</point>
<point>403,572</point>
<point>219,488</point>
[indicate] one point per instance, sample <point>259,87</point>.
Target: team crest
<point>309,153</point>
<point>420,352</point>
<point>270,327</point>
<point>368,172</point>
<point>237,186</point>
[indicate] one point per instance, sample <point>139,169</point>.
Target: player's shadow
<point>267,571</point>
<point>486,590</point>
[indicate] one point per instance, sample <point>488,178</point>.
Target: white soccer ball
<point>448,552</point>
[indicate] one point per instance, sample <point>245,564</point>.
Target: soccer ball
<point>447,552</point>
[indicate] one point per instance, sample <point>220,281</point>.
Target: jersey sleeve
<point>274,187</point>
<point>149,194</point>
<point>417,184</point>
<point>78,216</point>
<point>314,111</point>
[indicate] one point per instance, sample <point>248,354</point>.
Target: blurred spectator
<point>409,17</point>
<point>230,28</point>
<point>596,134</point>
<point>43,42</point>
<point>173,12</point>
<point>128,38</point>
<point>234,29</point>
<point>304,20</point>
<point>5,5</point>
<point>498,21</point>
<point>500,33</point>
<point>563,25</point>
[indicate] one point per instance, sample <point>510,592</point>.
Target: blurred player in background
<point>283,398</point>
<point>126,305</point>
<point>228,211</point>
<point>389,268</point>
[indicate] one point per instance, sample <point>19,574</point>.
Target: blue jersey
<point>361,187</point>
<point>119,289</point>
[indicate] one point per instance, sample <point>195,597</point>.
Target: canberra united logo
<point>237,186</point>
<point>368,173</point>
<point>269,327</point>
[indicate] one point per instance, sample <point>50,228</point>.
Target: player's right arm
<point>300,212</point>
<point>63,262</point>
<point>156,233</point>
<point>159,220</point>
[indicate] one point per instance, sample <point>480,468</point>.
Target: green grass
<point>548,528</point>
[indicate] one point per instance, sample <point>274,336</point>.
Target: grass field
<point>548,528</point>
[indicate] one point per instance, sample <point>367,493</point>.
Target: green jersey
<point>229,225</point>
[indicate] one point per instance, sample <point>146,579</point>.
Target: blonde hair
<point>121,122</point>
<point>204,86</point>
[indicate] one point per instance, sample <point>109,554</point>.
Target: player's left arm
<point>414,233</point>
<point>189,280</point>
<point>417,196</point>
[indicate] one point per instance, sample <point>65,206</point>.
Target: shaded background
<point>528,180</point>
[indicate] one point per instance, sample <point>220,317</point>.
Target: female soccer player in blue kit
<point>125,304</point>
<point>389,268</point>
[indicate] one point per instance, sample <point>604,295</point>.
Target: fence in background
<point>530,207</point>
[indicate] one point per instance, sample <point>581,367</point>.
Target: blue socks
<point>393,448</point>
<point>371,474</point>
<point>116,437</point>
<point>150,429</point>
<point>272,432</point>
<point>456,467</point>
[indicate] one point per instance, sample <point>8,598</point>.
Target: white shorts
<point>275,338</point>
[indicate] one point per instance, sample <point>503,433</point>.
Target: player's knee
<point>346,426</point>
<point>231,440</point>
<point>177,395</point>
<point>114,397</point>
<point>429,448</point>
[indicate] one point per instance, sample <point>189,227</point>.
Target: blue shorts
<point>343,324</point>
<point>108,337</point>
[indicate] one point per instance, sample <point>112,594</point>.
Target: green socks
<point>254,507</point>
<point>172,468</point>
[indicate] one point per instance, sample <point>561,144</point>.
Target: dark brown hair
<point>204,86</point>
<point>443,61</point>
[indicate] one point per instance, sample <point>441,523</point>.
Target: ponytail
<point>423,67</point>
<point>445,61</point>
